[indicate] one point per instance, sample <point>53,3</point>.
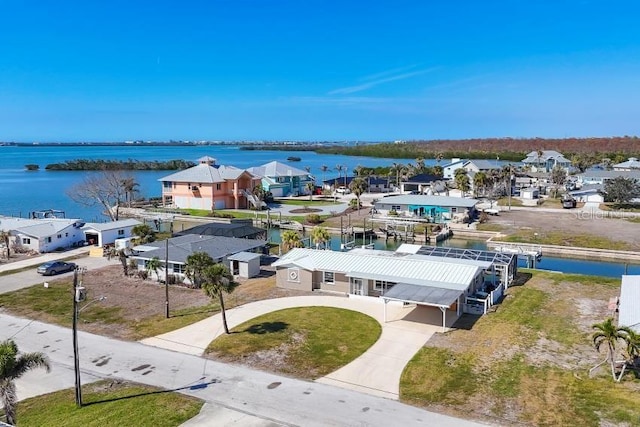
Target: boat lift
<point>531,254</point>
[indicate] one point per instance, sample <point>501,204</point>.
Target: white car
<point>343,190</point>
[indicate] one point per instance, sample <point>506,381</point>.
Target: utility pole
<point>166,278</point>
<point>78,295</point>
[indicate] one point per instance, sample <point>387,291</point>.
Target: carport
<point>424,295</point>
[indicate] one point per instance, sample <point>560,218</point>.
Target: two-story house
<point>283,180</point>
<point>208,186</point>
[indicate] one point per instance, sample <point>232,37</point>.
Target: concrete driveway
<point>375,372</point>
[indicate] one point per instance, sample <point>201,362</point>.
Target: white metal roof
<point>448,274</point>
<point>275,169</point>
<point>112,225</point>
<point>36,227</point>
<point>205,174</point>
<point>416,199</point>
<point>243,256</point>
<point>629,308</point>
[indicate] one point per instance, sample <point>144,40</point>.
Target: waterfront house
<point>238,228</point>
<point>448,170</point>
<point>106,233</point>
<point>282,180</point>
<point>600,176</point>
<point>208,186</point>
<point>629,165</point>
<point>546,160</point>
<point>588,193</point>
<point>220,248</point>
<point>43,235</point>
<point>424,184</point>
<point>449,284</point>
<point>375,184</point>
<point>432,208</point>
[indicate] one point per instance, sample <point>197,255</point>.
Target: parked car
<point>55,267</point>
<point>343,190</point>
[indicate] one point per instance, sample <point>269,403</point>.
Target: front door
<point>358,287</point>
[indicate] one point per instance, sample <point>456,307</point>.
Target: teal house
<point>436,209</point>
<point>283,180</point>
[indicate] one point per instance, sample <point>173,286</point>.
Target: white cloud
<point>369,84</point>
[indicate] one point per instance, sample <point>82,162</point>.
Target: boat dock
<point>530,253</point>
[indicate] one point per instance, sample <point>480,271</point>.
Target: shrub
<point>353,204</point>
<point>392,212</point>
<point>313,219</point>
<point>143,274</point>
<point>484,217</point>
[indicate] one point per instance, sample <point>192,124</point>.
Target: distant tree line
<point>118,165</point>
<point>616,149</point>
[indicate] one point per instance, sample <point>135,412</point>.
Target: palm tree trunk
<point>8,398</point>
<point>224,314</point>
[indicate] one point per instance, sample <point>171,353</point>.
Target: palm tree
<point>196,264</point>
<point>129,185</point>
<point>397,167</point>
<point>420,166</point>
<point>5,237</point>
<point>632,352</point>
<point>311,186</point>
<point>144,233</point>
<point>154,265</point>
<point>320,236</point>
<point>479,182</point>
<point>462,180</point>
<point>341,168</point>
<point>357,187</point>
<point>609,334</point>
<point>217,281</point>
<point>323,169</point>
<point>291,239</point>
<point>12,367</point>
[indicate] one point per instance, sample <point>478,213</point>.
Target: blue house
<point>282,180</point>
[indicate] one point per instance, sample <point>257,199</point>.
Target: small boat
<point>293,159</point>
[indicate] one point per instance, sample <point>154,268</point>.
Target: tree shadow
<point>190,387</point>
<point>266,328</point>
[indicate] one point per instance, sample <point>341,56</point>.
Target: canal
<point>550,263</point>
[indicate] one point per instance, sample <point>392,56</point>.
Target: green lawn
<point>527,362</point>
<point>109,403</point>
<point>306,342</point>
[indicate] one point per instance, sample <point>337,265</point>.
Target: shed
<point>106,233</point>
<point>244,264</point>
<point>530,193</point>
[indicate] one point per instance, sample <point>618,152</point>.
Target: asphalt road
<point>266,398</point>
<point>30,277</point>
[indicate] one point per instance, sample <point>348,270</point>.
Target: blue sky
<point>317,70</point>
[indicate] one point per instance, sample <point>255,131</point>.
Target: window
<point>26,241</point>
<point>454,210</point>
<point>47,239</point>
<point>329,277</point>
<point>218,186</point>
<point>179,268</point>
<point>383,285</point>
<point>59,236</point>
<point>120,232</point>
<point>395,208</point>
<point>66,234</point>
<point>167,184</point>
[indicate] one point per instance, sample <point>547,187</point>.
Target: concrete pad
<point>214,415</point>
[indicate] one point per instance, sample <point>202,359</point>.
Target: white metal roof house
<point>629,308</point>
<point>546,160</point>
<point>588,193</point>
<point>218,247</point>
<point>43,235</point>
<point>600,176</point>
<point>282,180</point>
<point>106,233</point>
<point>453,285</point>
<point>433,208</point>
<point>632,164</point>
<point>448,170</point>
